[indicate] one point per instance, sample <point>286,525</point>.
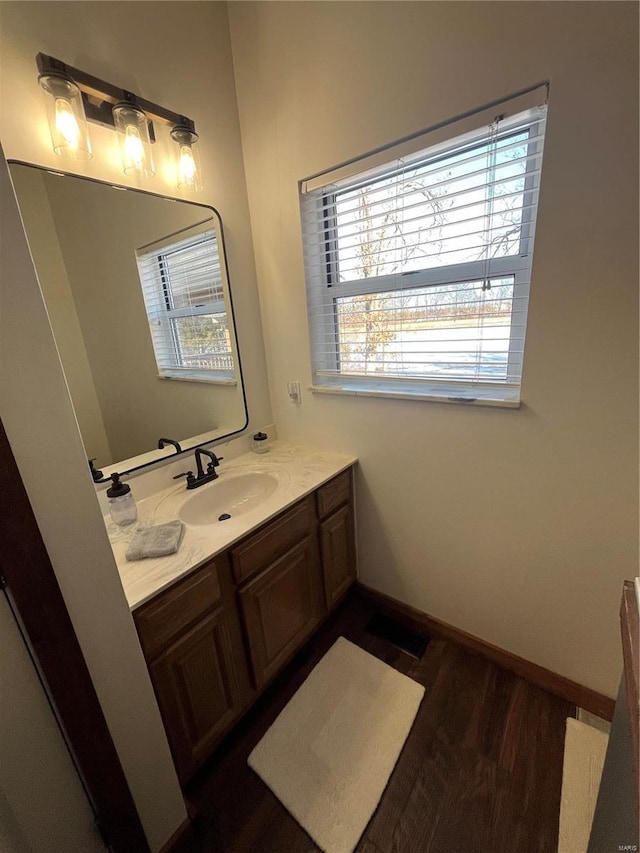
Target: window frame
<point>162,317</point>
<point>324,286</point>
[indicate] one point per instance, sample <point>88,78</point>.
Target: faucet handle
<point>211,467</point>
<point>189,475</point>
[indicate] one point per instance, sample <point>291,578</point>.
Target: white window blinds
<point>184,294</point>
<point>418,267</point>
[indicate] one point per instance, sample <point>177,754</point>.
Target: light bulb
<point>133,136</point>
<point>188,162</point>
<point>134,150</point>
<point>187,168</point>
<point>67,121</point>
<point>66,124</point>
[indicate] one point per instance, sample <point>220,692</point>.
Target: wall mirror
<point>138,294</point>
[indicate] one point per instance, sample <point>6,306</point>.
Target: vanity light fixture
<point>77,98</point>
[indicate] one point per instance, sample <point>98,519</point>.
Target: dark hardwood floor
<point>480,772</point>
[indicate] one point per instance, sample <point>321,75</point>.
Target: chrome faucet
<point>202,476</point>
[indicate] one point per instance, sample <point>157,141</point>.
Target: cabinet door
<point>195,683</point>
<point>338,552</point>
<point>281,607</point>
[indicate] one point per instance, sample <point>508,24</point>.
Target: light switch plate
<point>293,389</point>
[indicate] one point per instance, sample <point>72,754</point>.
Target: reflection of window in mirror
<point>183,288</point>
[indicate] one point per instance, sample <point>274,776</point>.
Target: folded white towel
<point>158,541</point>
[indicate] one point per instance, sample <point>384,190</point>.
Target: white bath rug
<point>584,752</point>
<point>330,753</point>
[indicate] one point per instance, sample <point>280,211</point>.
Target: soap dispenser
<point>122,505</point>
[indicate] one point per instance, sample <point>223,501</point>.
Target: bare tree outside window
<point>422,217</point>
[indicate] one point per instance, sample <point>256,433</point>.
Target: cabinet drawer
<point>172,611</point>
<point>334,493</point>
<point>273,539</point>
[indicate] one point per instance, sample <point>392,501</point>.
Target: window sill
<point>481,396</point>
<point>208,380</point>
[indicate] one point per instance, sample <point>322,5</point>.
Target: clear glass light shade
<point>189,172</point>
<point>133,137</point>
<point>67,121</point>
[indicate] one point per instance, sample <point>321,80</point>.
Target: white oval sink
<point>232,495</point>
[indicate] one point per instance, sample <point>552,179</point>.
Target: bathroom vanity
<point>220,619</point>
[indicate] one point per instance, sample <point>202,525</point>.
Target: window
<point>184,294</point>
<point>418,268</point>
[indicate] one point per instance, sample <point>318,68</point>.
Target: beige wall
<point>140,46</point>
<point>517,526</point>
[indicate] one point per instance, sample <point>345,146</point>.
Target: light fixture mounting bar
<point>101,90</point>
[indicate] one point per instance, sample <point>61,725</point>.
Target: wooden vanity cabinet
<point>337,537</point>
<point>214,639</point>
<point>193,646</point>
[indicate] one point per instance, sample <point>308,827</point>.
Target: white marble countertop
<point>299,470</point>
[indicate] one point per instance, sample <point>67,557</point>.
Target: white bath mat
<point>584,752</point>
<point>330,753</point>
